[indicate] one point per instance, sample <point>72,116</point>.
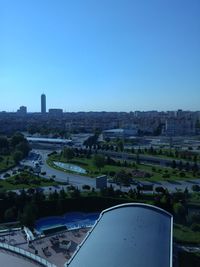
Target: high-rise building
<point>43,104</point>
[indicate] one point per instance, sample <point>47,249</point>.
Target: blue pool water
<point>71,220</point>
<point>70,167</point>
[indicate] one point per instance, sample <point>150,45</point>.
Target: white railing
<point>27,254</point>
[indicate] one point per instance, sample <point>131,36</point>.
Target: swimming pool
<point>70,167</point>
<point>71,220</point>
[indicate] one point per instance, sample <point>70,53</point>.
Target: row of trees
<point>118,146</point>
<point>16,145</point>
<point>187,166</point>
<point>33,204</point>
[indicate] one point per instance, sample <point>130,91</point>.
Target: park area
<point>97,164</point>
<point>25,179</point>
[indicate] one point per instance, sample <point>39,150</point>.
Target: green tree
<point>92,140</point>
<point>120,145</point>
<point>68,153</point>
<point>196,218</point>
<point>196,188</point>
<point>75,193</point>
<point>17,156</point>
<point>4,145</point>
<point>32,129</point>
<point>137,158</point>
<point>179,212</point>
<point>16,139</point>
<point>23,147</point>
<point>99,161</point>
<point>28,216</point>
<point>9,214</point>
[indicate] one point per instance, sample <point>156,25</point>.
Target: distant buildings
<point>55,112</point>
<point>22,111</point>
<point>179,127</point>
<point>120,133</point>
<point>43,104</point>
<point>111,124</point>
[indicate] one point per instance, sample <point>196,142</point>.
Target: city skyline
<point>45,109</point>
<point>100,55</point>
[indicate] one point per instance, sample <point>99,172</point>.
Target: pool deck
<point>48,247</point>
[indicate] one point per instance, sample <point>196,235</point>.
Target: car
<point>39,189</point>
<point>111,181</point>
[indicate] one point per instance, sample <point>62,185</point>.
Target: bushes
<point>160,189</point>
<point>112,173</point>
<point>182,174</point>
<point>196,218</point>
<point>196,188</point>
<point>86,187</point>
<point>195,227</point>
<point>166,175</point>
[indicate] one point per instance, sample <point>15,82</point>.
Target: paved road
<point>60,176</point>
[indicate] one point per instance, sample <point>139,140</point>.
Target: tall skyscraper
<point>43,104</point>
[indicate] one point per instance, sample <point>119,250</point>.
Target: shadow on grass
<point>155,182</point>
<point>173,182</point>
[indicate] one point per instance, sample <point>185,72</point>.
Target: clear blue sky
<point>112,55</point>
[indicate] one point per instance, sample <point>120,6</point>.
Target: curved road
<point>61,176</point>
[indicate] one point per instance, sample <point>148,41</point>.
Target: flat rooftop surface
<point>131,235</point>
<point>11,260</point>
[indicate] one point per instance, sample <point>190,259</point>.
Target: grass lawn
<point>183,234</point>
<point>6,162</point>
<point>194,198</point>
<point>157,172</point>
<point>88,165</point>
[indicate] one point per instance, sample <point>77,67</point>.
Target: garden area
<point>25,179</point>
<point>187,235</point>
<point>97,164</point>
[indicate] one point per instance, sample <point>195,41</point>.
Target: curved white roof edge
<point>135,205</point>
<point>152,207</point>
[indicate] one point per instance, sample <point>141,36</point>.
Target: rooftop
<point>128,235</point>
<point>49,140</point>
